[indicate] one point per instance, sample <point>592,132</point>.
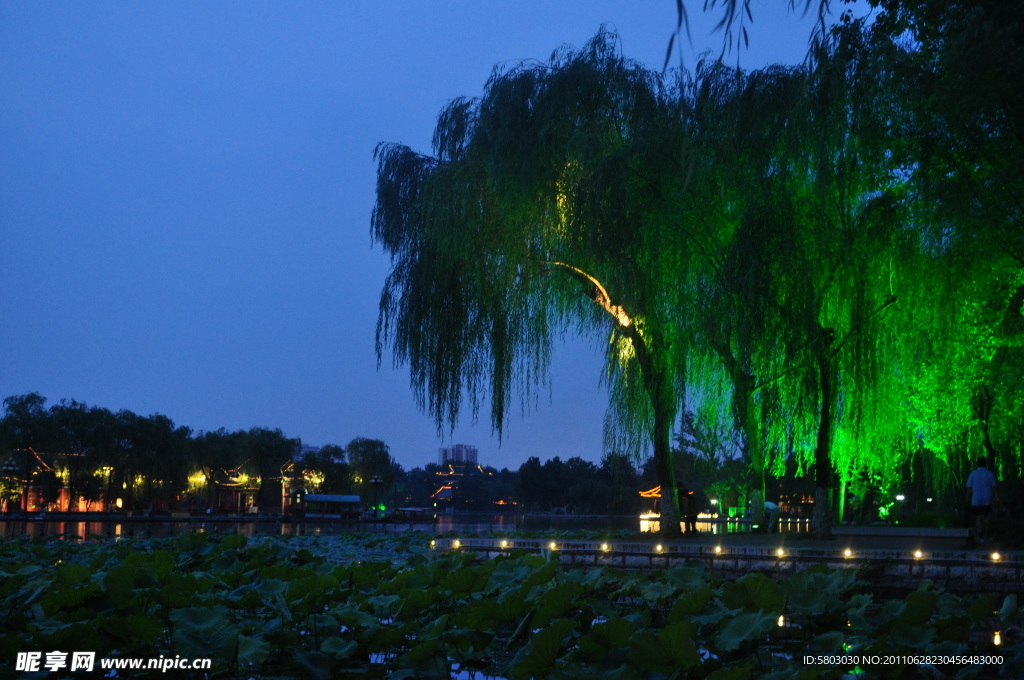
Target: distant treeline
<point>72,456</point>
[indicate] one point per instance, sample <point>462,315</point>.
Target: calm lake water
<point>469,523</point>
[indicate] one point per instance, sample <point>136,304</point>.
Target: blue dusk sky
<point>185,197</point>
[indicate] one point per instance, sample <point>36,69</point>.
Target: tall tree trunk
<point>984,403</point>
<point>746,415</point>
<point>669,524</point>
<point>841,499</point>
<point>824,475</point>
<point>658,385</point>
<point>652,354</point>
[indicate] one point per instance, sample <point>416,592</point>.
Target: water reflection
<point>463,523</point>
<point>115,529</point>
<point>728,525</point>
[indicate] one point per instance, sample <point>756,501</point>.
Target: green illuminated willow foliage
<point>552,202</point>
<point>802,255</point>
<point>813,258</point>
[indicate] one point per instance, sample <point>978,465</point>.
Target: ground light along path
<point>922,559</point>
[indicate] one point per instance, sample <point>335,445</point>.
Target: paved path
<point>915,560</point>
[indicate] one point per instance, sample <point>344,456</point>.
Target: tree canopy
<point>823,259</point>
<point>548,204</point>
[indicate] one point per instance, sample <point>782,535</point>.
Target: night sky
<point>185,195</point>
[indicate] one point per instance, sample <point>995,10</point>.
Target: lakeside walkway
<point>895,557</point>
<point>914,560</point>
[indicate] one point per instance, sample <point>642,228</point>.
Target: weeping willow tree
<point>954,66</point>
<point>741,121</point>
<point>795,298</point>
<point>555,202</point>
<point>963,361</point>
<point>927,314</point>
<point>848,250</point>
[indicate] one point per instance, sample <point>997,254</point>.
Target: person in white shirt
<point>982,484</point>
<point>771,511</point>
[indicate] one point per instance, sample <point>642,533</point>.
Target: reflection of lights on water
<point>649,522</point>
<point>718,523</point>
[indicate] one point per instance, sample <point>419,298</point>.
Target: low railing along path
<point>907,559</point>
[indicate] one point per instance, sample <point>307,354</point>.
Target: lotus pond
<point>372,606</point>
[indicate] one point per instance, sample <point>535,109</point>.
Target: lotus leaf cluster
<point>373,607</point>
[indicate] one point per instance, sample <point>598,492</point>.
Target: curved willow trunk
<point>658,386</point>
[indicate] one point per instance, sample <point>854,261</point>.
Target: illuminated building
<point>458,454</point>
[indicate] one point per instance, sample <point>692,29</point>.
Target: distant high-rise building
<point>462,454</point>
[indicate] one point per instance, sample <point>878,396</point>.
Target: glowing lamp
<point>918,554</point>
<point>718,550</point>
<point>456,544</point>
<point>552,545</point>
<point>504,544</point>
<point>847,553</point>
<point>996,557</point>
<point>997,639</point>
<point>658,548</point>
<point>780,552</point>
<point>433,544</point>
<point>604,547</point>
<point>782,620</point>
<point>901,497</point>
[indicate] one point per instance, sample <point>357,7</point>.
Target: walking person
<point>771,511</point>
<point>982,484</point>
<point>688,509</point>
